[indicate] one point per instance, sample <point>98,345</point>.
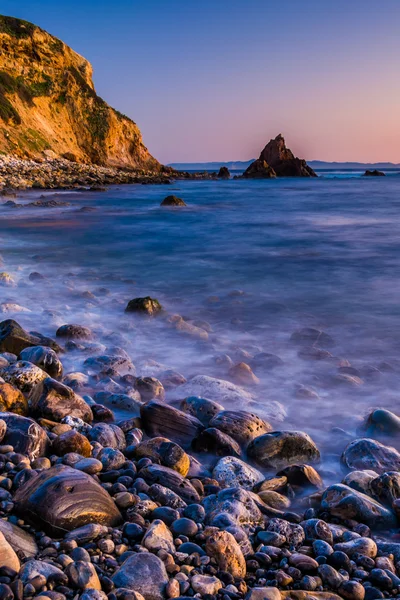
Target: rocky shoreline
<point>97,507</point>
<point>59,173</point>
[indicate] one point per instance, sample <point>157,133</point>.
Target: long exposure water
<point>256,260</point>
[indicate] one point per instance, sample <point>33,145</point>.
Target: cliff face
<point>48,104</point>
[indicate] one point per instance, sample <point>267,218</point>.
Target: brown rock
<point>25,435</point>
<point>8,557</point>
<point>166,453</point>
<point>54,400</point>
<point>72,441</point>
<point>12,400</point>
<point>242,426</point>
<point>243,375</point>
<point>223,547</point>
<point>160,419</point>
<point>13,338</point>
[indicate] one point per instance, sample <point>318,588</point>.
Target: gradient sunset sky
<point>214,80</point>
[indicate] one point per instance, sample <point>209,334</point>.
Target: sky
<point>214,80</point>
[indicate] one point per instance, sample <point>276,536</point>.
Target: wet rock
<point>316,529</point>
<point>365,453</point>
<point>144,573</point>
<point>263,593</point>
<point>205,584</point>
<point>53,400</point>
<point>33,568</point>
<point>25,436</point>
<point>346,503</point>
<point>373,173</point>
<point>233,472</point>
<point>313,353</point>
<point>131,402</point>
<point>363,545</point>
<point>146,306</point>
<point>302,477</point>
<point>82,575</point>
<point>12,400</point>
<point>150,388</point>
<point>160,419</point>
<point>308,336</point>
<point>216,442</point>
<point>238,504</point>
<point>165,452</point>
<point>351,590</point>
<point>223,548</point>
<point>265,361</point>
<point>201,408</point>
<point>61,499</point>
<point>275,500</point>
<point>281,448</point>
<point>293,533</point>
<point>72,441</point>
<point>45,358</point>
<point>108,435</point>
<point>242,426</point>
<point>23,375</point>
<point>74,332</point>
<point>360,480</point>
<point>171,379</point>
<point>172,480</point>
<point>13,338</point>
<point>165,496</point>
<point>121,364</point>
<point>111,459</point>
<point>243,375</point>
<point>158,537</point>
<point>185,327</point>
<point>20,540</point>
<point>386,487</point>
<point>6,280</point>
<point>303,562</point>
<point>218,390</point>
<point>76,381</point>
<point>8,557</point>
<point>382,422</point>
<point>173,201</point>
<point>259,169</point>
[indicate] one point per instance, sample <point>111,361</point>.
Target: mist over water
<point>257,260</point>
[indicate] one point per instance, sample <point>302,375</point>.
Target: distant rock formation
<point>224,173</point>
<point>374,173</point>
<point>278,161</point>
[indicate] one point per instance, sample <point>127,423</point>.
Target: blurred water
<point>323,253</point>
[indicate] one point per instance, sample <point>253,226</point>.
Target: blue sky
<point>215,80</point>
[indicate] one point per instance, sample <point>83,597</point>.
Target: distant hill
<point>318,165</point>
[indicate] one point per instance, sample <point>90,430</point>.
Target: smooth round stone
<point>191,548</point>
<point>89,465</point>
<point>133,531</point>
<point>195,512</point>
<point>270,538</point>
<point>184,526</point>
<point>166,514</point>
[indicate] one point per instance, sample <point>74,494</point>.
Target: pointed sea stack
<point>278,161</point>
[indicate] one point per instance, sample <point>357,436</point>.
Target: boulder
<point>160,419</point>
<point>23,375</point>
<point>259,169</point>
<point>158,537</point>
<point>366,453</point>
<point>281,160</point>
<point>121,364</point>
<point>13,338</point>
<point>45,358</point>
<point>216,442</point>
<point>293,533</point>
<point>173,201</point>
<point>83,576</point>
<point>233,472</point>
<point>72,441</point>
<point>35,568</point>
<point>61,499</point>
<point>172,480</point>
<point>143,572</point>
<point>382,422</point>
<point>74,332</point>
<point>25,436</point>
<point>20,540</point>
<point>54,401</point>
<point>302,477</point>
<point>145,306</point>
<point>165,452</point>
<point>386,487</point>
<point>201,408</point>
<point>242,426</point>
<point>281,448</point>
<point>12,400</point>
<point>243,375</point>
<point>237,504</point>
<point>224,549</point>
<point>8,558</point>
<point>150,388</point>
<point>108,435</point>
<point>346,503</point>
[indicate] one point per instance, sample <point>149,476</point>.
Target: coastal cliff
<point>49,106</point>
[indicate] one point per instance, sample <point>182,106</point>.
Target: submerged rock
<point>74,332</point>
<point>150,388</point>
<point>382,422</point>
<point>373,173</point>
<point>61,499</point>
<point>365,453</point>
<point>173,201</point>
<point>309,336</point>
<point>146,306</point>
<point>282,448</point>
<point>346,503</point>
<point>218,390</point>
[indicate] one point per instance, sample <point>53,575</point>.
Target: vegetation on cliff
<point>48,103</point>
